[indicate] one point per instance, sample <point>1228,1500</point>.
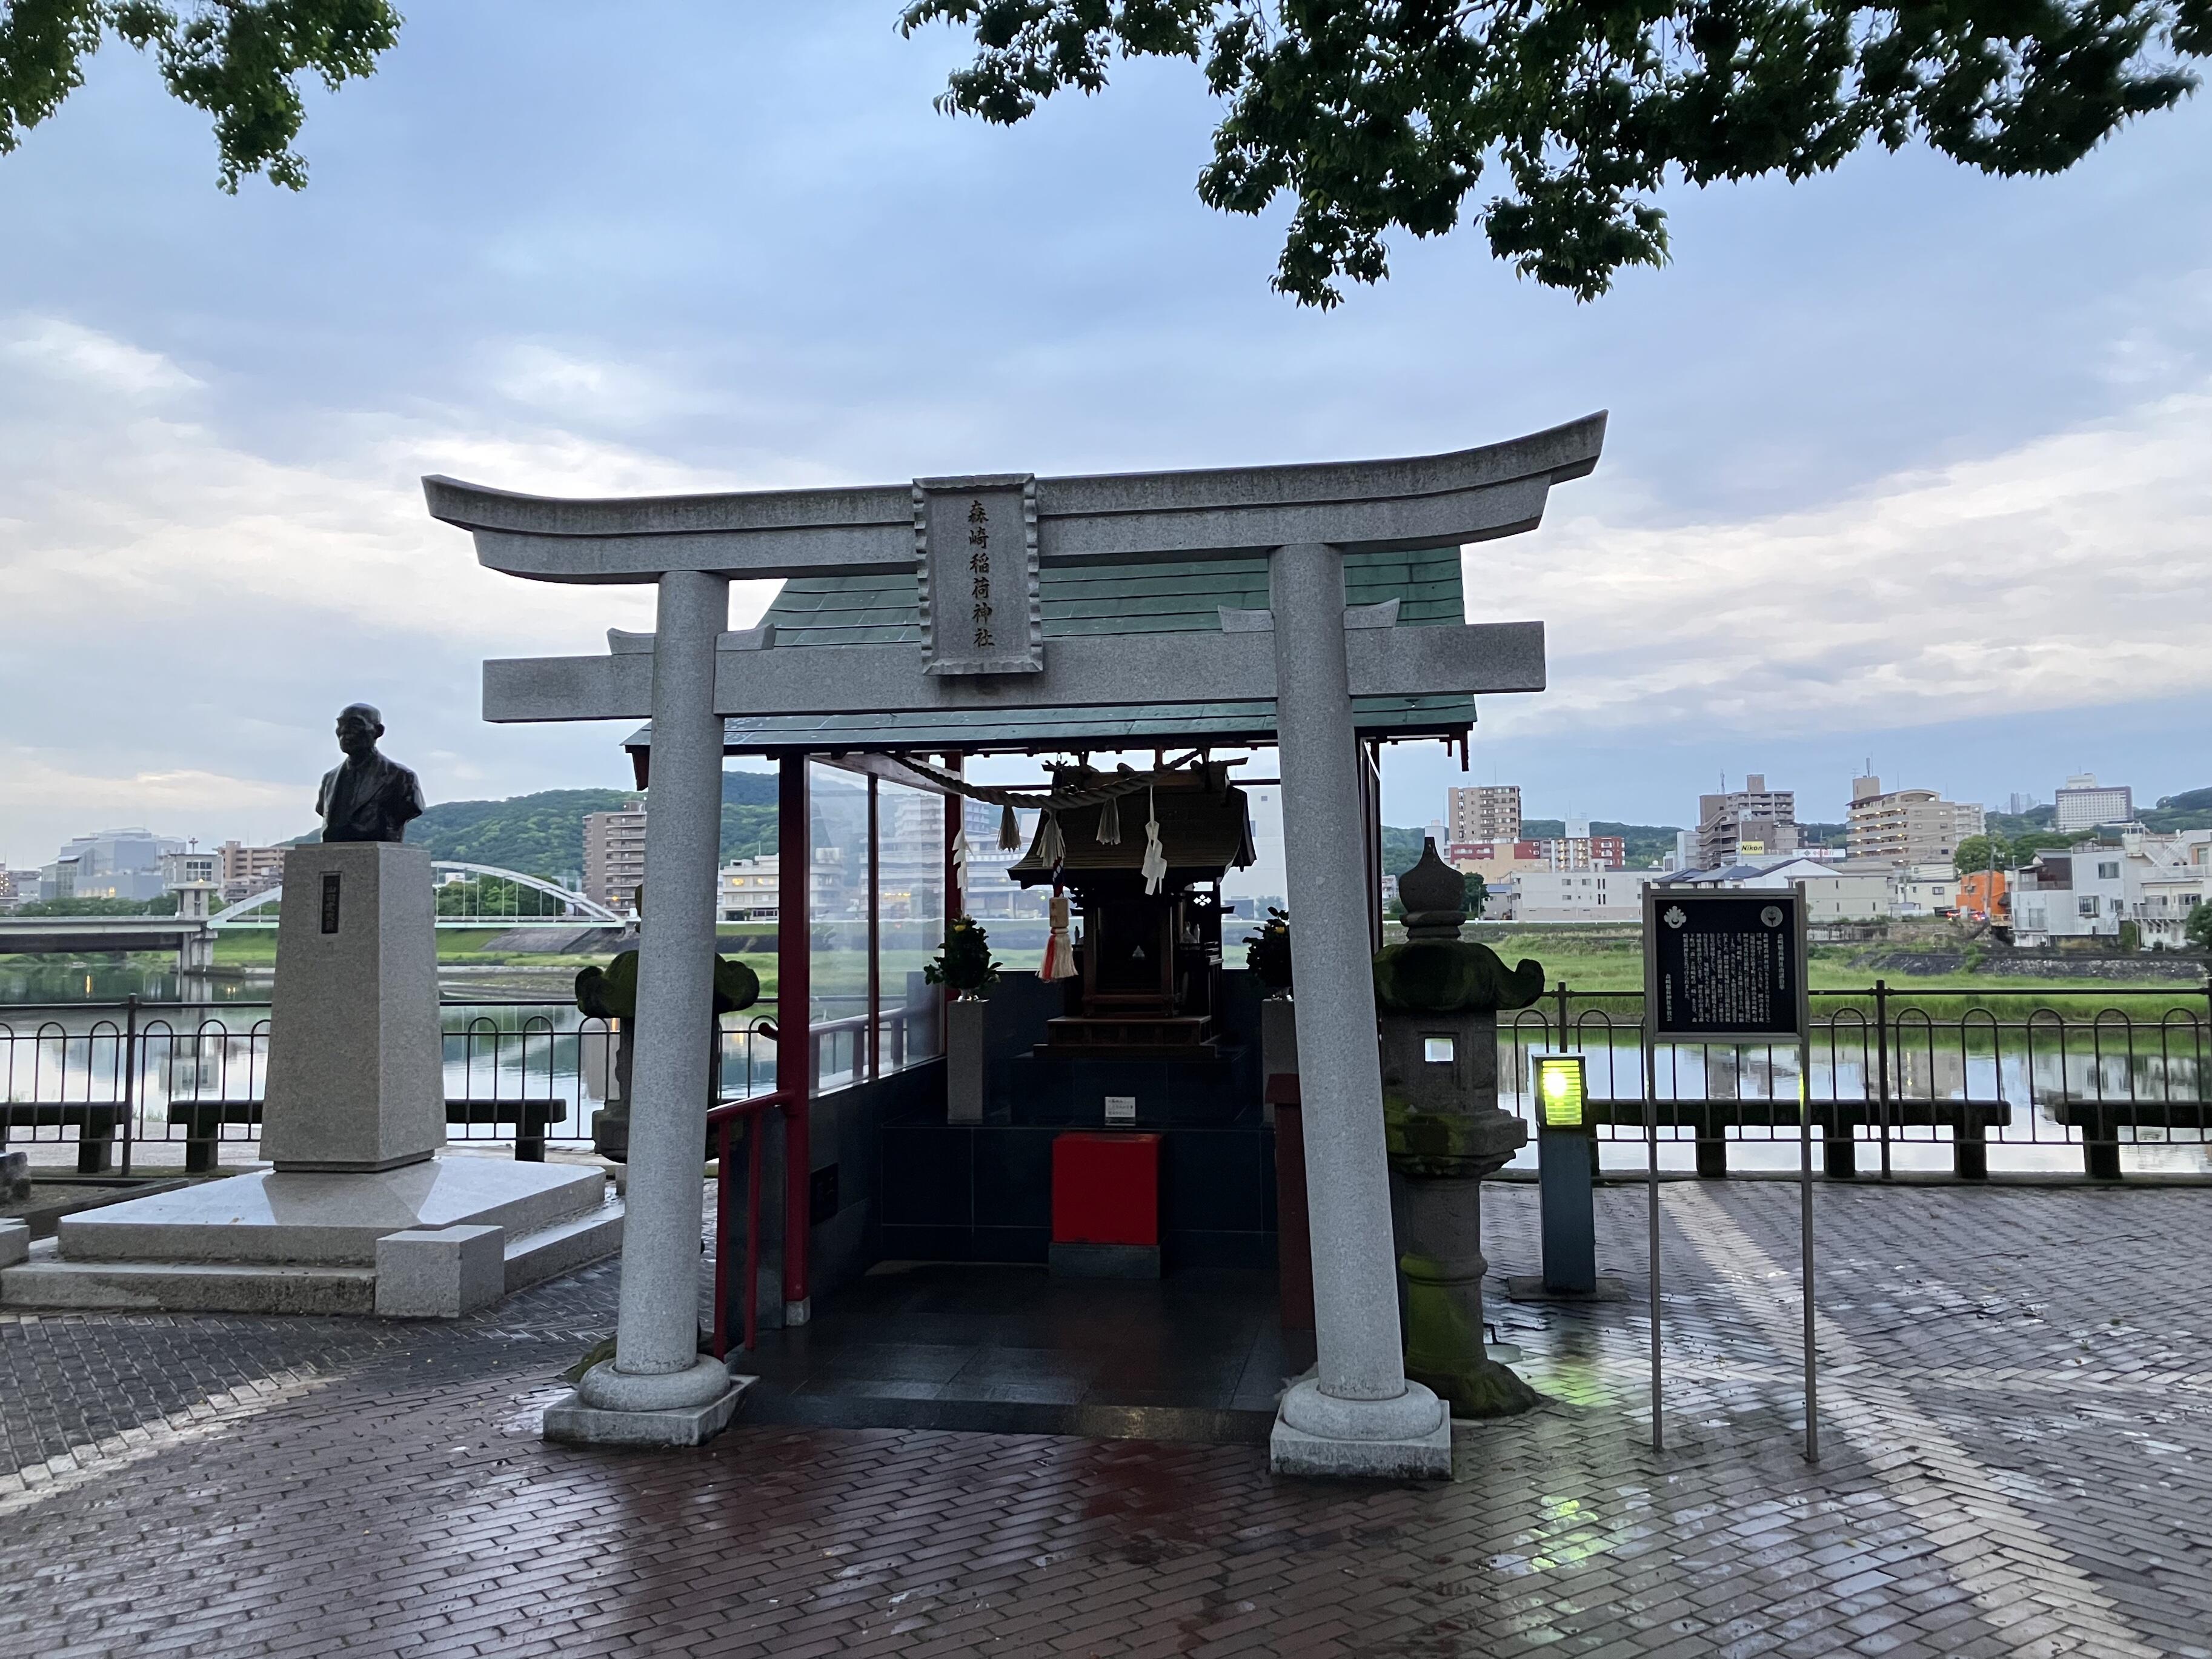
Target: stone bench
<point>2101,1121</point>
<point>1968,1121</point>
<point>204,1121</point>
<point>95,1122</point>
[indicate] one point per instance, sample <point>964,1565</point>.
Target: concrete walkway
<point>2018,1462</point>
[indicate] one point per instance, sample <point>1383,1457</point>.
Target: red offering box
<point>1105,1189</point>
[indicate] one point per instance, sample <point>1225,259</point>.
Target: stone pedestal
<point>964,1022</point>
<point>1279,1046</point>
<point>356,1072</point>
<point>611,1123</point>
<point>360,1215</point>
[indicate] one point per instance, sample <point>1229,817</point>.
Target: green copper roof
<point>1124,598</point>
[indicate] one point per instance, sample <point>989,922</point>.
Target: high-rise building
<point>1753,820</point>
<point>1908,826</point>
<point>1485,812</point>
<point>614,857</point>
<point>2084,803</point>
<point>116,864</point>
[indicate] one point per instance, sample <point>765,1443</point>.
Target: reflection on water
<point>63,1040</point>
<point>2035,1067</point>
<point>69,979</point>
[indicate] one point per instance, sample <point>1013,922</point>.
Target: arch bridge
<point>464,901</point>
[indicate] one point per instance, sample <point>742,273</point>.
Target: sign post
<point>1728,967</point>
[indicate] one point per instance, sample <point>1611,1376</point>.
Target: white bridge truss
<point>576,910</point>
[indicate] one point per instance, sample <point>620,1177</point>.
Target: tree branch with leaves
<point>243,61</point>
<point>1374,116</point>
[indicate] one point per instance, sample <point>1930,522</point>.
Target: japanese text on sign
<point>1724,964</point>
<point>979,564</point>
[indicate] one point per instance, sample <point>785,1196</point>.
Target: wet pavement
<point>2017,1460</point>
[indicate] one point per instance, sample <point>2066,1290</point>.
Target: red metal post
<point>722,1234</point>
<point>875,933</point>
<point>794,1046</point>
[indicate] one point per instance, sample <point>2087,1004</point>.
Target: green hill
<point>2189,810</point>
<point>541,835</point>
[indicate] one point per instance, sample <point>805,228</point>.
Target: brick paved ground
<point>2019,1462</point>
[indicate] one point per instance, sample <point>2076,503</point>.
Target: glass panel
<point>910,881</point>
<point>747,898</point>
<point>1016,918</point>
<point>1247,894</point>
<point>1436,1050</point>
<point>838,917</point>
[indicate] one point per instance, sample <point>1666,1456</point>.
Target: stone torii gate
<point>977,543</point>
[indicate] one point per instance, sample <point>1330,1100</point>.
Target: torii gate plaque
<point>1359,1415</point>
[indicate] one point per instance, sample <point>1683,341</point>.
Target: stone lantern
<point>1437,996</point>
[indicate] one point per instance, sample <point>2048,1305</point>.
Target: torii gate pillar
<point>1359,1415</point>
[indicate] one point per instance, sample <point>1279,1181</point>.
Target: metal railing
<point>113,1078</point>
<point>1962,1066</point>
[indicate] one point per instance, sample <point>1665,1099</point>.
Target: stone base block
<point>1404,1438</point>
<point>440,1273</point>
<point>1424,1457</point>
<point>15,1176</point>
<point>1105,1260</point>
<point>1530,1287</point>
<point>569,1421</point>
<point>264,1243</point>
<point>552,1251</point>
<point>44,1280</point>
<point>15,1242</point>
<point>290,1219</point>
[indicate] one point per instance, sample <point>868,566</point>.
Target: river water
<point>513,1033</point>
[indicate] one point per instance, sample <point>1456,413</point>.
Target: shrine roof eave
<point>1418,502</point>
<point>1097,731</point>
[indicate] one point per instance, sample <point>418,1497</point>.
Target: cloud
<point>2063,573</point>
<point>82,357</point>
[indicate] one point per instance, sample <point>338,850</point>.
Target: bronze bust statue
<point>366,796</point>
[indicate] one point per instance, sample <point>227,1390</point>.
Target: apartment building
<point>614,857</point>
<point>1857,890</point>
<point>2078,894</point>
<point>1908,826</point>
<point>1925,890</point>
<point>2169,877</point>
<point>1495,861</point>
<point>1484,813</point>
<point>749,890</point>
<point>1586,894</point>
<point>246,871</point>
<point>1578,849</point>
<point>1753,819</point>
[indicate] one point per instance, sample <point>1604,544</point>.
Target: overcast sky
<point>1906,465</point>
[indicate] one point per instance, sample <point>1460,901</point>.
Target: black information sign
<point>331,901</point>
<point>1724,965</point>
